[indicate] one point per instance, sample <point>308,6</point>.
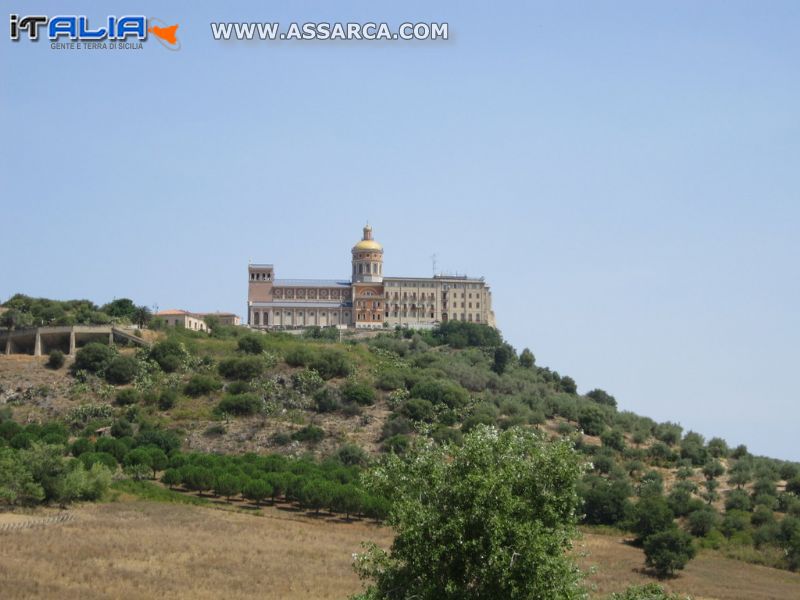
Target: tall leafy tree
<point>493,518</point>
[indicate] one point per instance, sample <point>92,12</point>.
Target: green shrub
<point>251,344</point>
<point>358,393</point>
<point>238,387</point>
<point>307,381</point>
<point>397,444</point>
<point>592,420</point>
<point>127,397</point>
<point>330,363</point>
<point>121,428</point>
<point>299,356</point>
<point>476,419</point>
<point>447,435</point>
<point>55,359</point>
<point>734,521</point>
<point>161,438</point>
<point>169,354</point>
<point>326,400</point>
<point>167,399</point>
<point>240,404</point>
<point>396,425</point>
<point>200,385</point>
<point>389,380</point>
<point>281,438</point>
<point>309,433</point>
<point>614,439</point>
<point>351,454</point>
<point>650,591</point>
<point>94,357</point>
<point>418,409</point>
<point>104,458</point>
<point>80,446</point>
<point>122,370</point>
<point>605,501</point>
<point>243,369</point>
<point>438,391</point>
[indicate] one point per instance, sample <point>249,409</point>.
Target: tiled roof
<point>172,312</point>
<point>311,283</point>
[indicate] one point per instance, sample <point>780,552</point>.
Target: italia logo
<point>77,28</point>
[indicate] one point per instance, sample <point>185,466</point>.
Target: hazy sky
<point>625,175</point>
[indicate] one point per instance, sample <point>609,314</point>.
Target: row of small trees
<point>331,485</point>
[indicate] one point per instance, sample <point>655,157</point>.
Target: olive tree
<point>492,518</point>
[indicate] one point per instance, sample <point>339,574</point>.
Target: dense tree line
<point>25,311</point>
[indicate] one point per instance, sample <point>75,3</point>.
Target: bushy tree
<point>650,515</point>
<point>55,359</point>
<point>94,357</point>
<point>592,420</point>
<point>120,308</point>
<point>171,478</point>
<point>605,501</point>
<point>614,439</point>
<point>503,355</point>
<point>257,490</point>
<point>713,469</point>
<point>251,344</point>
<point>693,448</point>
<point>492,518</point>
<point>527,359</point>
<point>702,521</point>
<point>740,473</point>
<point>17,484</point>
<point>169,354</point>
<point>668,551</point>
<point>602,397</point>
<point>718,448</point>
<point>228,485</point>
<point>669,433</point>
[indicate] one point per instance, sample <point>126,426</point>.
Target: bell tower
<point>367,259</point>
<point>369,304</point>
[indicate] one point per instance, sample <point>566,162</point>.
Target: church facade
<point>368,300</point>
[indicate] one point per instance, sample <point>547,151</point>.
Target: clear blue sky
<point>625,174</point>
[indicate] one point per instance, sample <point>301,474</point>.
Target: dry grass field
<point>137,549</point>
<point>142,549</point>
<point>709,576</point>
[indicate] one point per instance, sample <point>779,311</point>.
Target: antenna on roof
<point>433,264</point>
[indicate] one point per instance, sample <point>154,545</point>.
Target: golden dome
<point>367,243</point>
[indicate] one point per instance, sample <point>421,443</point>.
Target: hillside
<point>237,394</point>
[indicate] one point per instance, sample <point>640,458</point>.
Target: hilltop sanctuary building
<point>368,300</point>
